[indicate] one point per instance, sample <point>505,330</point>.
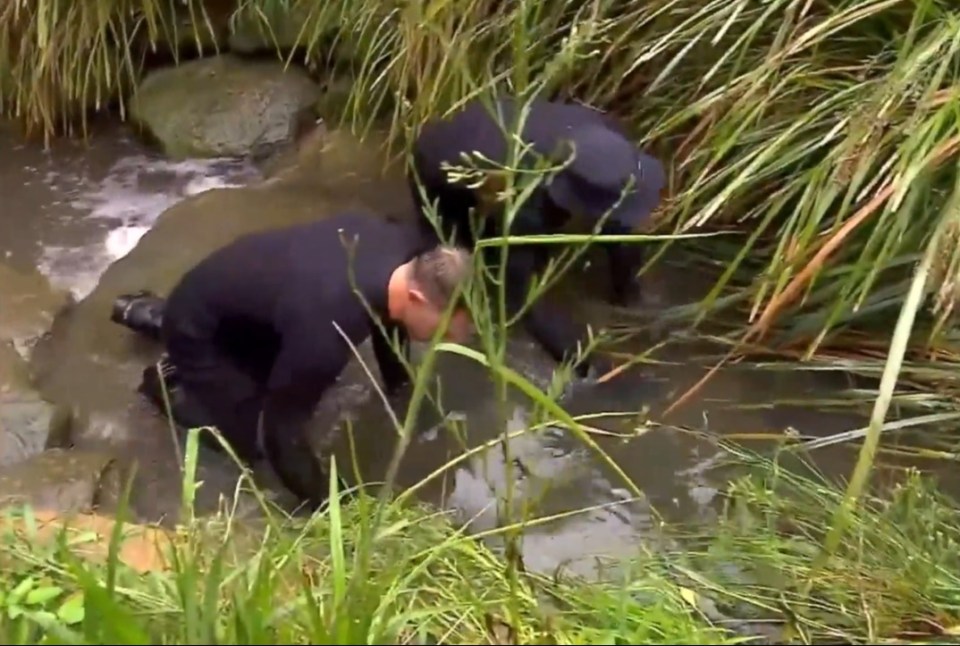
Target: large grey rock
<point>63,481</point>
<point>28,305</point>
<point>28,423</point>
<point>224,106</point>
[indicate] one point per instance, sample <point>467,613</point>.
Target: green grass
<point>421,580</point>
<point>893,575</point>
<point>424,583</point>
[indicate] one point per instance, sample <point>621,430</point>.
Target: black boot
<point>141,312</point>
<point>161,378</point>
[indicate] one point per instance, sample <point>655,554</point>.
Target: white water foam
<point>125,204</point>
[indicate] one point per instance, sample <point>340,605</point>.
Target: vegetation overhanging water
<point>817,139</point>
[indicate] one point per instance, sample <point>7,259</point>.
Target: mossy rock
<point>224,107</point>
<point>28,305</point>
<point>63,481</point>
<point>28,423</point>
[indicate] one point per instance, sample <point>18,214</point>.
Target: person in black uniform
<point>253,329</point>
<point>604,166</point>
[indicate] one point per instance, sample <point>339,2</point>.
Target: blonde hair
<point>440,271</point>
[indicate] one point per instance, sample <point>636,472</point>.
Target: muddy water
<point>89,219</point>
<point>72,210</point>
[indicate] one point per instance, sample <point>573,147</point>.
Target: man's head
<point>421,291</point>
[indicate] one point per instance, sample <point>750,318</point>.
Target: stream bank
<point>423,582</point>
<point>130,218</point>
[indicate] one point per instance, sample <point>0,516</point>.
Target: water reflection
<point>571,513</point>
<point>495,466</point>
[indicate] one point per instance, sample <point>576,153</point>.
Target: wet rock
<point>224,107</point>
<point>28,423</point>
<point>28,305</point>
<point>63,481</point>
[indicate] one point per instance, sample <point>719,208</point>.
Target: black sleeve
<point>306,367</point>
<point>392,369</point>
<point>555,330</point>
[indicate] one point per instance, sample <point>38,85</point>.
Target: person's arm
<point>393,372</point>
<point>551,327</point>
<point>554,329</point>
<point>304,370</point>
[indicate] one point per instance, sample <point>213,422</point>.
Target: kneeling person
<point>258,327</point>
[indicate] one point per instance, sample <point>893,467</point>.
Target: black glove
<point>429,414</point>
<point>630,386</point>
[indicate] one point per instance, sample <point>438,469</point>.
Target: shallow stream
<point>88,219</point>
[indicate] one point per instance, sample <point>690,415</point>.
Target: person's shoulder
<point>467,121</point>
<point>363,232</point>
<point>330,225</point>
<point>361,221</point>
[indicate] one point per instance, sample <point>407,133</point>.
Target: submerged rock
<point>28,423</point>
<point>28,305</point>
<point>63,481</point>
<point>224,106</point>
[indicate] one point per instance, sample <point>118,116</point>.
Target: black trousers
<point>206,385</point>
<point>212,388</point>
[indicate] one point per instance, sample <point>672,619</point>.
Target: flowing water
<point>89,219</point>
